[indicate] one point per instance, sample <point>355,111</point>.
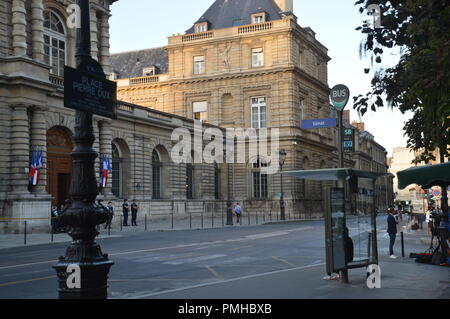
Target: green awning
<point>425,176</point>
<point>334,174</point>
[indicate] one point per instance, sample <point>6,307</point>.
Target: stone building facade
<point>244,64</point>
<point>245,67</point>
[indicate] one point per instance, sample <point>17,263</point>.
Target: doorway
<point>59,164</point>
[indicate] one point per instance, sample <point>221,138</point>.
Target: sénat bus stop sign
<point>87,89</point>
<point>350,221</point>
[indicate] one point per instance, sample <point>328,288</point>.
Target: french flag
<point>36,165</point>
<point>106,168</point>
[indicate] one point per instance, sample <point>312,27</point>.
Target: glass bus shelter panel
<point>338,228</point>
<point>360,224</point>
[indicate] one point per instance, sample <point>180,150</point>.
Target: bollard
<point>121,224</point>
<point>256,218</point>
<point>51,232</point>
<point>248,215</point>
<point>223,222</point>
<point>403,245</point>
<point>25,234</point>
<point>172,220</point>
<point>190,220</point>
<point>202,219</point>
<point>212,220</point>
<point>145,222</point>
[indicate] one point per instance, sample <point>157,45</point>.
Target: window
<point>258,18</point>
<point>199,64</point>
<point>54,43</point>
<point>116,172</point>
<point>200,110</point>
<point>258,105</point>
<point>259,179</point>
<point>201,27</point>
<point>149,71</point>
<point>189,181</point>
<point>156,177</point>
<point>257,57</point>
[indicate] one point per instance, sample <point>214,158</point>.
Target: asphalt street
<point>241,262</point>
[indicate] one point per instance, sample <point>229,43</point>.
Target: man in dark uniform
<point>125,210</point>
<point>134,211</point>
<point>392,231</point>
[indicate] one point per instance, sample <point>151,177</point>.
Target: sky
<point>141,24</point>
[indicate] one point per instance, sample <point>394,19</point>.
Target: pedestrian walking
<point>134,211</point>
<point>392,231</point>
<point>125,211</point>
<point>54,219</point>
<point>110,215</point>
<point>238,212</point>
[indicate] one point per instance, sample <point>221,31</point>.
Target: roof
<point>223,13</point>
<point>425,176</point>
<point>334,174</point>
<point>131,64</point>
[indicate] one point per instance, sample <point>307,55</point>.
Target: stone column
<point>104,43</point>
<point>38,140</point>
<point>105,139</point>
<point>37,27</point>
<point>94,36</point>
<point>19,24</point>
<point>20,149</point>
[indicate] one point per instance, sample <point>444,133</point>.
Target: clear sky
<point>140,24</point>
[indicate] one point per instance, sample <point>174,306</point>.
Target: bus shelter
<point>350,217</point>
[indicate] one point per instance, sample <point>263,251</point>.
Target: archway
<point>59,164</point>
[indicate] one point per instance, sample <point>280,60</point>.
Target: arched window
<point>54,43</point>
<point>116,172</point>
<point>259,179</point>
<point>156,177</point>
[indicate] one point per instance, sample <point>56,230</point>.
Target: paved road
<point>270,261</point>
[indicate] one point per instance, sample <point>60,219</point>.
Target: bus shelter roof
<point>425,176</point>
<point>335,174</point>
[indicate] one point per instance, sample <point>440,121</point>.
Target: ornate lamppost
<point>83,271</point>
<point>282,158</point>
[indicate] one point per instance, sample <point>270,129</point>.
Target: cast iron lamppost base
<point>81,214</point>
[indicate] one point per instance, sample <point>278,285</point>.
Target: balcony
<point>57,80</point>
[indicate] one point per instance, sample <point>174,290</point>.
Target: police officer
<point>125,210</point>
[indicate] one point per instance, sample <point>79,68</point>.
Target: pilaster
<point>37,26</point>
<point>20,149</point>
<point>19,24</point>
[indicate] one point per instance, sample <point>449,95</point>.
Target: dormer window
<point>259,17</point>
<point>201,27</point>
<point>149,71</point>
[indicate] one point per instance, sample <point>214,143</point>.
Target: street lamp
<point>282,158</point>
<point>83,271</point>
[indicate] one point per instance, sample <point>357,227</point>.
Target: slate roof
<point>223,13</point>
<point>131,64</point>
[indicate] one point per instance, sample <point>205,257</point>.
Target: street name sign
<point>319,123</point>
<point>87,89</point>
<point>340,94</point>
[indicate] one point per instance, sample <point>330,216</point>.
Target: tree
<point>420,82</point>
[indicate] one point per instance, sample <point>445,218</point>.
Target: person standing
<point>238,212</point>
<point>54,219</point>
<point>392,231</point>
<point>134,211</point>
<point>125,211</point>
<point>110,215</point>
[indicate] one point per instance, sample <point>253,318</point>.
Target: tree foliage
<point>420,82</point>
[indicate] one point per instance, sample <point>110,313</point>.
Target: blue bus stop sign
<point>319,123</point>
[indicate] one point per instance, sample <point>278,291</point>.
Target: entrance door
<point>59,164</point>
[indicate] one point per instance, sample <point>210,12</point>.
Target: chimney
<point>285,5</point>
<point>360,126</point>
<point>346,116</point>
